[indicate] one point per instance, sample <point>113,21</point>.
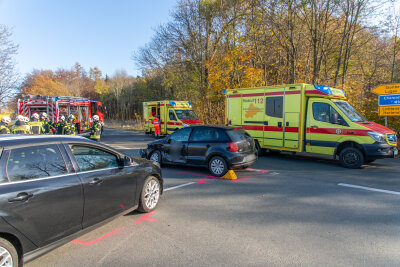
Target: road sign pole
<point>385,121</point>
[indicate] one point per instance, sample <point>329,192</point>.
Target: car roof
<point>16,140</point>
<point>218,127</point>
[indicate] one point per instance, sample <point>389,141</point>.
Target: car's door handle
<point>96,181</point>
<point>21,197</point>
<point>314,126</point>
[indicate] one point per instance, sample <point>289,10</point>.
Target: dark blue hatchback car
<point>217,148</point>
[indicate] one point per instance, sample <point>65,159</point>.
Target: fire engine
<point>55,106</point>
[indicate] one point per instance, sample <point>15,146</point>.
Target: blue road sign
<point>389,100</point>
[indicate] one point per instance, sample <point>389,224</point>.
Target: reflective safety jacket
<point>60,127</point>
<point>36,127</point>
<point>47,125</point>
<point>95,131</point>
<point>69,128</point>
<point>4,129</point>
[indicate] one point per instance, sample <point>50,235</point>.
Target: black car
<point>218,148</point>
<point>54,188</point>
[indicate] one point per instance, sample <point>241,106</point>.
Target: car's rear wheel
<point>351,158</point>
<point>156,156</point>
<point>218,166</point>
<point>150,194</point>
<point>8,254</point>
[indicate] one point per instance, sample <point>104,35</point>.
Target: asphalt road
<point>286,210</point>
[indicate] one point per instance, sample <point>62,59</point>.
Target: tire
<point>260,151</point>
<point>8,250</point>
<point>218,166</point>
<point>351,158</point>
<point>155,156</point>
<point>150,194</point>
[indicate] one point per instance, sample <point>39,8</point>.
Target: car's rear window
<point>237,134</point>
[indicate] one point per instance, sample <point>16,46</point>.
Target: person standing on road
<point>69,128</point>
<point>20,126</point>
<point>60,125</point>
<point>4,125</point>
<point>156,123</point>
<point>36,125</point>
<point>96,129</point>
<point>47,124</point>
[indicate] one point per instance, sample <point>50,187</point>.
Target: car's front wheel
<point>155,156</point>
<point>8,254</point>
<point>218,166</point>
<point>150,194</point>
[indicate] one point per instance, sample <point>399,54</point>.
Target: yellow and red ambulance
<point>308,118</point>
<point>172,114</point>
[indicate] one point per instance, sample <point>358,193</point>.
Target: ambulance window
<point>92,108</point>
<point>172,115</point>
<point>274,106</point>
<point>326,113</point>
<point>153,111</point>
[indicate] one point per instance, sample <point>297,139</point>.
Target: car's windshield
<point>349,111</point>
<point>185,114</point>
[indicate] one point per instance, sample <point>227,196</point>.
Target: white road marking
<point>178,186</point>
<point>370,189</point>
<point>274,173</point>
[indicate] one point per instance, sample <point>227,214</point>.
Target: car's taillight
<point>232,147</point>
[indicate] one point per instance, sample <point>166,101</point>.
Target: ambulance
<point>173,115</point>
<point>308,118</point>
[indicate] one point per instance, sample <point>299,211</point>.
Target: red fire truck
<point>55,106</point>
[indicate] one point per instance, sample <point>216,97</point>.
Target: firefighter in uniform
<point>47,124</point>
<point>36,125</point>
<point>95,130</point>
<point>156,123</point>
<point>4,125</point>
<point>20,126</point>
<point>60,125</point>
<point>69,128</point>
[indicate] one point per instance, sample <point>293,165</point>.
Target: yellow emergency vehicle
<point>173,115</point>
<point>308,118</point>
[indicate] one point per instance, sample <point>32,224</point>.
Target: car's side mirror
<point>125,162</point>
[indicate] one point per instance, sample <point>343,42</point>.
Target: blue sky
<point>55,33</point>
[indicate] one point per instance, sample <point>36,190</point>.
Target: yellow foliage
<point>44,85</point>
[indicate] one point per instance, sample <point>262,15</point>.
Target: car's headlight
<point>184,124</point>
<point>380,138</point>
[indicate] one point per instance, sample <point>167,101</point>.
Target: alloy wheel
<point>5,258</point>
<point>152,194</point>
<point>217,166</point>
<point>155,157</point>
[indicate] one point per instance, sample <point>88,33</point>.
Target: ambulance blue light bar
<point>324,89</point>
<point>190,104</point>
<point>172,103</point>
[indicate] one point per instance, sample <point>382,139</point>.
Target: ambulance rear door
<point>253,110</point>
<point>234,109</point>
<point>292,107</point>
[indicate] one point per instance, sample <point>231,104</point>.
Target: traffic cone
<point>230,175</point>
